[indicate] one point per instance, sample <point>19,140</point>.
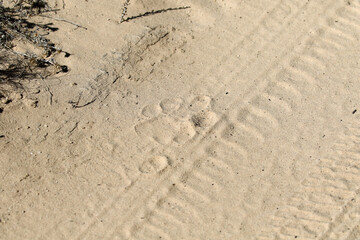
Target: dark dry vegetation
<point>16,26</point>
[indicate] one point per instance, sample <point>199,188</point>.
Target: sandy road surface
<point>224,120</point>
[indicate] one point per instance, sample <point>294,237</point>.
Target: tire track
<point>336,180</point>
<point>327,206</point>
<point>222,59</point>
<point>310,60</point>
<point>281,17</point>
<point>191,194</point>
<point>223,121</point>
<point>346,224</point>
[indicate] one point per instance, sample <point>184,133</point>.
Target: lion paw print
<point>176,120</point>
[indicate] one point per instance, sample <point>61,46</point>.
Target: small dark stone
<point>354,111</point>
<point>64,68</point>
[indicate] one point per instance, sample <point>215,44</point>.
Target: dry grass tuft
<point>15,27</point>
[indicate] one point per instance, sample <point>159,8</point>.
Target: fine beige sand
<point>210,120</point>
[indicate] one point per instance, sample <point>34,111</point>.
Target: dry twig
<point>153,12</point>
<point>15,24</point>
<point>126,4</point>
<point>64,20</point>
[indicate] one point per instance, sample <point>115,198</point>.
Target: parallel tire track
<point>250,121</point>
<point>280,93</point>
<point>327,204</point>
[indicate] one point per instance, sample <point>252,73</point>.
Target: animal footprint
<point>156,163</point>
<point>175,120</point>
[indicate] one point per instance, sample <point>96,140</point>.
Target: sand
<point>218,120</point>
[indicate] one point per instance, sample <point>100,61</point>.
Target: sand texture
<point>209,120</point>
